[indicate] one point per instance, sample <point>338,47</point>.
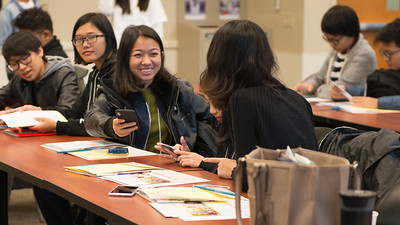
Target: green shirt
<point>158,129</point>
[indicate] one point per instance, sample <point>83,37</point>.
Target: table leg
<point>3,198</point>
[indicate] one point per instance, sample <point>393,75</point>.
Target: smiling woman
<point>167,109</point>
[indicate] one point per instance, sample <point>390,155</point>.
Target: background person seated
<point>383,86</point>
<point>351,58</point>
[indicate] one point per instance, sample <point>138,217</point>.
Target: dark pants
<point>55,209</point>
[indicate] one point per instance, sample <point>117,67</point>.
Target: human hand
<point>20,109</point>
<point>336,94</point>
<point>123,129</point>
<point>45,125</point>
<point>304,88</point>
<point>366,102</point>
<point>25,108</point>
<point>190,159</point>
<point>184,147</point>
<point>225,166</point>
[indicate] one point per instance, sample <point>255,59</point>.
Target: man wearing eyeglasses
<point>48,82</point>
<point>383,86</point>
<point>350,60</point>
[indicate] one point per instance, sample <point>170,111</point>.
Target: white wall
<point>299,47</point>
<point>65,13</point>
<point>315,48</point>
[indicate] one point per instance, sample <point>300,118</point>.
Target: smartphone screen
<point>129,115</point>
<point>124,191</point>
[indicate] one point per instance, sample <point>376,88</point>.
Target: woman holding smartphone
<point>254,107</point>
<point>166,108</point>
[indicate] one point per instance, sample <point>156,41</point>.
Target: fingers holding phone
<point>167,149</point>
<point>125,123</point>
<point>123,129</point>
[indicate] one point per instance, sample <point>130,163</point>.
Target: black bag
<point>383,83</point>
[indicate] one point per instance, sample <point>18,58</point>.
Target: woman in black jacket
<point>167,109</point>
<point>94,42</point>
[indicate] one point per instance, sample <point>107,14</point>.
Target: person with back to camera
<point>38,22</point>
<point>134,12</point>
<point>7,14</point>
<point>383,85</point>
<point>351,58</point>
<point>167,109</point>
<point>254,107</point>
<point>94,42</point>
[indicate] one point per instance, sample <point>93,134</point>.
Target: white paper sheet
<point>155,178</point>
<point>204,211</point>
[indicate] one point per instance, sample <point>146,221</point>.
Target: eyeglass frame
<point>87,39</point>
<point>335,41</point>
<point>387,54</point>
<point>21,60</point>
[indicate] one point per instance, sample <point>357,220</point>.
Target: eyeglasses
<point>333,41</point>
<point>388,54</point>
<point>77,41</point>
<point>14,65</point>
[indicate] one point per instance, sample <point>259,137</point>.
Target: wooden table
<point>26,159</point>
<point>325,116</point>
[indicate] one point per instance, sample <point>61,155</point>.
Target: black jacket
<point>378,155</point>
<point>53,47</point>
<point>75,126</point>
<point>57,88</point>
<point>184,112</point>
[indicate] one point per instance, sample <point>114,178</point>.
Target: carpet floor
<point>22,209</point>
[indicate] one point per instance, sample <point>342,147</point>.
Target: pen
<point>133,172</point>
<point>215,190</point>
<point>79,150</point>
<point>179,201</point>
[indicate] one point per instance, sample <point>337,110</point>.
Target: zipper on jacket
<point>173,106</point>
<point>149,127</point>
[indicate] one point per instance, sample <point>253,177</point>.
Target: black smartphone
<point>124,191</point>
<point>169,150</point>
<point>129,115</point>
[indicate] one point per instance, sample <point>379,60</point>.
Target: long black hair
<point>126,5</point>
<point>239,56</point>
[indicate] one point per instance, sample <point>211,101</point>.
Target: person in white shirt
<point>134,12</point>
<point>9,12</point>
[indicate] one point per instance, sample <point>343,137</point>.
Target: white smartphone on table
<point>123,191</point>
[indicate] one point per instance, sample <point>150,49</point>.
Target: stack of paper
<point>178,194</point>
<point>193,204</point>
<point>154,178</point>
<point>348,107</point>
<point>94,150</point>
<point>26,118</point>
<point>109,168</point>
